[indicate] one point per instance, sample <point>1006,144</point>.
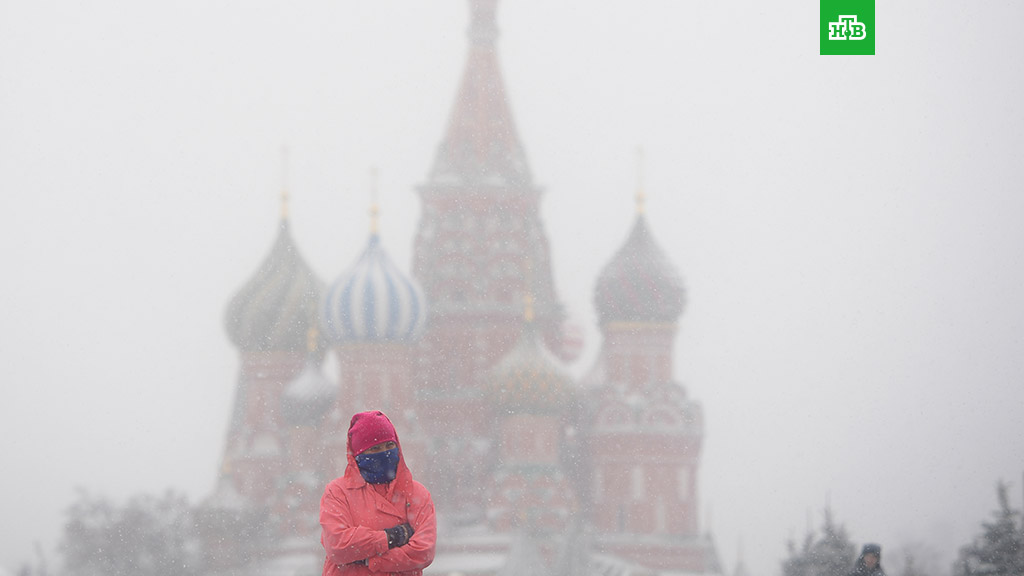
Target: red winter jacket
<point>354,515</point>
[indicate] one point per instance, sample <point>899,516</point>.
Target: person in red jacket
<point>376,518</point>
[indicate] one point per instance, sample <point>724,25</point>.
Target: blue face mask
<point>380,467</point>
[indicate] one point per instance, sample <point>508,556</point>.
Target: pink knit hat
<point>368,429</point>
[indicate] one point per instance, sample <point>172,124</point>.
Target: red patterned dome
<point>639,284</point>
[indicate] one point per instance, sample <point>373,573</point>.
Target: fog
<point>848,229</point>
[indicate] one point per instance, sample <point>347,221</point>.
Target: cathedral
<point>533,472</point>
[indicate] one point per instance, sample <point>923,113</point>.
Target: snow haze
<point>849,230</point>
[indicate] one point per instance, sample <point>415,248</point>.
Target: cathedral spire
<point>284,183</point>
<point>640,196</point>
<point>374,207</point>
<point>481,144</point>
<point>479,187</point>
<point>483,23</point>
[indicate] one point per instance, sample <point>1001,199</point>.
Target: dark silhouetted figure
<point>870,562</point>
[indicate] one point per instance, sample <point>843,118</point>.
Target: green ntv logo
<point>847,27</point>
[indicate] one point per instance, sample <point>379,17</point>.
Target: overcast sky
<point>849,230</point>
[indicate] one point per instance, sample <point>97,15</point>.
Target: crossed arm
<point>346,543</point>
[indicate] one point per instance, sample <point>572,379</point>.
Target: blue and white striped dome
<point>373,302</point>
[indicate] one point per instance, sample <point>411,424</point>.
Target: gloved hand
<point>399,535</point>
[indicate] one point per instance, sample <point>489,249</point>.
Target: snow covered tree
<point>831,554</point>
<point>149,536</point>
<point>999,550</point>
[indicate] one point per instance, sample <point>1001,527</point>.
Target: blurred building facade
<point>533,472</point>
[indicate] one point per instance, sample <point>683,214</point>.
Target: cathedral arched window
<point>660,519</point>
<point>638,485</point>
<point>683,482</point>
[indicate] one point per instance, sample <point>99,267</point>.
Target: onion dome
<point>308,397</point>
<point>529,378</point>
<point>277,307</point>
<point>639,284</point>
<point>373,301</point>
